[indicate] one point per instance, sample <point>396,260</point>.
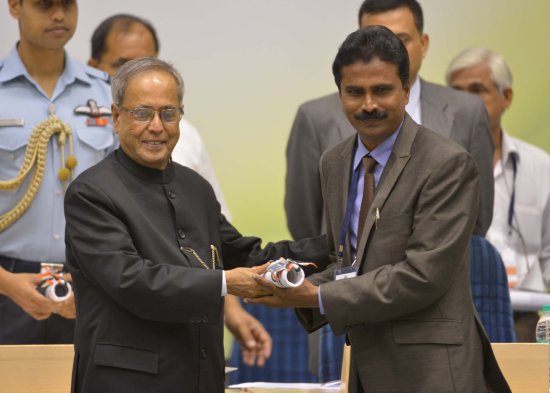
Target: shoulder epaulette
<point>99,74</point>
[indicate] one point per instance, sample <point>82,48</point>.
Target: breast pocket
<point>92,144</point>
<point>13,144</point>
<point>391,236</point>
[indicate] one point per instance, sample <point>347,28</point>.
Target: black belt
<point>15,265</point>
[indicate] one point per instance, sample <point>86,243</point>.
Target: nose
<point>155,125</point>
<point>369,103</point>
<point>58,12</point>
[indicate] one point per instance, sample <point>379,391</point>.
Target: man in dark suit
<point>399,287</point>
<point>321,124</point>
<point>147,245</point>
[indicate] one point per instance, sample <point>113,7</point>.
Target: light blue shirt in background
<point>39,235</point>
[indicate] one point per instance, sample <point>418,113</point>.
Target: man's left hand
<point>304,296</point>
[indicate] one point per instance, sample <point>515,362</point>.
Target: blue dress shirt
<point>39,235</point>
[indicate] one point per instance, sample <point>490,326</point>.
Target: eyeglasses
<point>145,114</point>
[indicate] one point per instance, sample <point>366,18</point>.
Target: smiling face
<point>45,24</point>
<point>373,99</point>
<point>149,143</point>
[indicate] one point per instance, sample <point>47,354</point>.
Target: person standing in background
<point>46,94</point>
<point>521,219</point>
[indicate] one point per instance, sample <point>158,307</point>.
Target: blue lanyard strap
<point>349,211</point>
<point>513,196</point>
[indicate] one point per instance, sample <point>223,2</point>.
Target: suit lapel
<point>433,108</point>
<point>401,153</point>
<point>344,167</point>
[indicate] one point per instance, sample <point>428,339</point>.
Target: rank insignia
<point>95,113</point>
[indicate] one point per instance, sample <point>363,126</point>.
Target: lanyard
<point>348,213</point>
<point>513,196</point>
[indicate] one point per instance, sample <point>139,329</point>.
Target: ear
<point>116,116</point>
<point>508,95</point>
<point>15,8</point>
<point>425,40</point>
<point>407,91</point>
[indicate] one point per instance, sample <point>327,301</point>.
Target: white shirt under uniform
<point>191,152</point>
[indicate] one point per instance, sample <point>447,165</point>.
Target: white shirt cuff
<point>224,284</point>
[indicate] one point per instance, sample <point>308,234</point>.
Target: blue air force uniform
<point>38,235</point>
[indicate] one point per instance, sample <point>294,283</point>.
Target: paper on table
<point>278,385</point>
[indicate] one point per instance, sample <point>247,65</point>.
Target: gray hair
<point>500,72</point>
<point>135,67</point>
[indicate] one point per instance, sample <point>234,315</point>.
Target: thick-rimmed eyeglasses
<point>146,114</point>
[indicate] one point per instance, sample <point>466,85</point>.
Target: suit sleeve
<point>303,201</point>
<point>311,318</point>
<point>481,148</point>
<point>437,248</point>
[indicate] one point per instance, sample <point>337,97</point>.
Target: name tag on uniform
<point>12,122</point>
<point>345,272</point>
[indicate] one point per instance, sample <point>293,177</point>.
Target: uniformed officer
<point>54,123</point>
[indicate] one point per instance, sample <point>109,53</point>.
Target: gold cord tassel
<point>35,157</point>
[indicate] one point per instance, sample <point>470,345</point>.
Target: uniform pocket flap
<point>98,138</point>
<point>428,332</point>
<point>12,139</point>
<point>125,357</point>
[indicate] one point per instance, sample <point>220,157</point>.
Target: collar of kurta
<point>149,174</point>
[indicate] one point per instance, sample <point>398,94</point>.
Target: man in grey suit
<point>398,286</point>
<point>321,124</point>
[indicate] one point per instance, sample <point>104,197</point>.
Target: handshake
<point>263,284</point>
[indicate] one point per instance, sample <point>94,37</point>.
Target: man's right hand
<point>21,289</point>
<point>241,282</point>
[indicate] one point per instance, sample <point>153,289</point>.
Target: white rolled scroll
<point>285,273</point>
<point>59,291</point>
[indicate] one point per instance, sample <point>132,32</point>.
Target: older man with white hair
<point>521,218</point>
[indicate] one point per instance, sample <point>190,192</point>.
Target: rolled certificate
<point>54,287</point>
<point>286,273</point>
<point>59,291</point>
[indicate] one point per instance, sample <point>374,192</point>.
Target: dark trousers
<point>18,327</point>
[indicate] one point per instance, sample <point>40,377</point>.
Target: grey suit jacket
<point>409,314</point>
<point>321,123</point>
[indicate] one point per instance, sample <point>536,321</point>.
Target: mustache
<point>372,115</point>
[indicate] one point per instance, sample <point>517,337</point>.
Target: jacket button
<point>203,353</point>
<point>181,234</point>
<point>171,194</point>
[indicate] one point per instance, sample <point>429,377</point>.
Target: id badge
<point>345,272</point>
